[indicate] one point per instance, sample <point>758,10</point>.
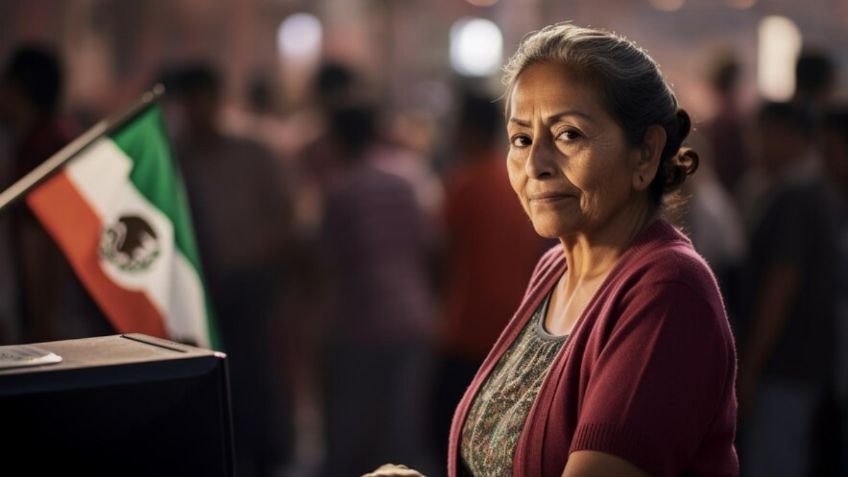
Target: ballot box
<point>114,405</point>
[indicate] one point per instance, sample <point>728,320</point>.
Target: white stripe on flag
<point>101,174</point>
<point>187,308</point>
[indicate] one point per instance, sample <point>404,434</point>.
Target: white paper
<point>26,355</point>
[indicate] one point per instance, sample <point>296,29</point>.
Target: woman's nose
<point>541,162</point>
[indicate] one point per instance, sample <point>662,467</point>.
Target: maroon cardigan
<point>647,374</point>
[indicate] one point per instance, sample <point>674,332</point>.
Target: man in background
<point>52,303</point>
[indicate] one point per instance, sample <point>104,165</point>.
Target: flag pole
<point>47,168</point>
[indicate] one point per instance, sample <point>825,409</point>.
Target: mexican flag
<point>119,212</point>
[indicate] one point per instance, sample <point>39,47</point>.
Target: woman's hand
<point>599,464</point>
<point>392,470</point>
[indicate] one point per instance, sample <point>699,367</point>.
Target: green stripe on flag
<point>155,176</point>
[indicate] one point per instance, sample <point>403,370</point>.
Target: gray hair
<point>629,82</point>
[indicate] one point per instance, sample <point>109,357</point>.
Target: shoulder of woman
<point>673,278</point>
<point>670,261</point>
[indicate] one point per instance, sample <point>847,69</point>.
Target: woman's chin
<point>553,230</point>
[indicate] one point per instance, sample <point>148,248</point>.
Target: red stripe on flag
<point>72,223</point>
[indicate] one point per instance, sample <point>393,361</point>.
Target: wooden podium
<point>115,405</point>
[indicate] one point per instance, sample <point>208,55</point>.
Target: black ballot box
<point>114,405</point>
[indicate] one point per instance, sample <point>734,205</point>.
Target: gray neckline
<point>539,325</point>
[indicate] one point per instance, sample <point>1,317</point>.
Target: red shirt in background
<point>492,251</point>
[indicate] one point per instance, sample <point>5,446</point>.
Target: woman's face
<point>568,159</point>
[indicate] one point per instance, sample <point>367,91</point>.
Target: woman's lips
<point>548,197</point>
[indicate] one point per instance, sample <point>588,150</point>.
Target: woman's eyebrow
<point>554,117</point>
<point>568,112</point>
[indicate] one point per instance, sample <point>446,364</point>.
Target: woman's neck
<point>591,255</point>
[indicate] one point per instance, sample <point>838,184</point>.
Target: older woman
<point>620,361</point>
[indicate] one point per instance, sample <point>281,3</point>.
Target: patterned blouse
<point>497,415</point>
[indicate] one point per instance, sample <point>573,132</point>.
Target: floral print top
<point>496,419</point>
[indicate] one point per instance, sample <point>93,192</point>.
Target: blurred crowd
<point>362,260</point>
<point>769,214</point>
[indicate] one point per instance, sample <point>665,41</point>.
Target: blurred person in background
<point>715,226</point>
<point>320,165</point>
<point>241,216</point>
<point>787,353</point>
<point>725,130</point>
<point>834,142</point>
<point>486,266</point>
<point>815,82</point>
<point>376,245</point>
<point>419,130</point>
<point>400,155</point>
<point>713,220</point>
<point>316,167</point>
<point>52,303</point>
<point>261,119</point>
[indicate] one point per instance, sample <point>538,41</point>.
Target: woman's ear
<point>648,158</point>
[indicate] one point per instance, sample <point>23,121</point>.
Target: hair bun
<point>681,165</point>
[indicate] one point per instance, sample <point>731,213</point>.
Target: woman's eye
<point>520,141</point>
<point>569,135</point>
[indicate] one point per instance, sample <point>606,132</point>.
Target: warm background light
<point>476,47</point>
<point>779,42</point>
<point>299,37</point>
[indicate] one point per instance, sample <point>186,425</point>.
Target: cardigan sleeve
<point>661,381</point>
